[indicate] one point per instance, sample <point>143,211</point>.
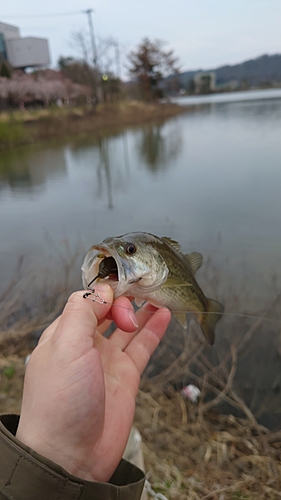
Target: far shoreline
<point>33,126</point>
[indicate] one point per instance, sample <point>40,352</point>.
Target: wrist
<point>67,460</point>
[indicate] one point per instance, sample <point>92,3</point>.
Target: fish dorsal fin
<point>172,243</point>
<point>195,260</point>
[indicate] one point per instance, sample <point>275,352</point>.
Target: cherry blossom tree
<point>27,89</point>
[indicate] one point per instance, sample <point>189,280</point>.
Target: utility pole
<point>117,60</point>
<point>93,41</point>
<point>96,82</point>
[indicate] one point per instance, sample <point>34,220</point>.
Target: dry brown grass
<point>195,451</point>
<point>192,454</point>
<point>25,311</point>
<point>28,306</point>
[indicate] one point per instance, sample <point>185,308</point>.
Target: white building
<point>22,52</point>
<point>205,81</point>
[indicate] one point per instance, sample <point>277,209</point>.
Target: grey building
<point>22,52</point>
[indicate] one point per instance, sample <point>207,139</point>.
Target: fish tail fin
<point>208,321</point>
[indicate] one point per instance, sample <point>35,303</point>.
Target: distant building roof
<point>23,52</point>
<point>8,31</point>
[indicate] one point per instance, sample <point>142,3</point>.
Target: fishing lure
<point>107,268</point>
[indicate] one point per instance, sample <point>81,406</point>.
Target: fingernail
<point>102,287</point>
<point>133,318</point>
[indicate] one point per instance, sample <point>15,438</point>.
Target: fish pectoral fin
<point>195,260</point>
<point>181,317</point>
<point>139,302</point>
<point>208,321</point>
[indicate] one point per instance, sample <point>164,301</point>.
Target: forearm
<point>26,474</point>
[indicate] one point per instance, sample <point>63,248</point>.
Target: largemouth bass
<point>153,269</point>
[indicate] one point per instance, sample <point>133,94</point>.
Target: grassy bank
<point>24,127</point>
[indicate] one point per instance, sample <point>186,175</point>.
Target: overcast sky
<point>203,33</point>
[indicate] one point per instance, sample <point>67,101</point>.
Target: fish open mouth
<point>108,269</point>
<point>102,264</point>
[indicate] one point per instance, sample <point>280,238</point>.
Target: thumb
<point>80,317</point>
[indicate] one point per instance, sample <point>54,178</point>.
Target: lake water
<point>210,179</point>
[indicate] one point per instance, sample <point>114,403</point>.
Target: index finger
<point>123,314</point>
<point>143,345</point>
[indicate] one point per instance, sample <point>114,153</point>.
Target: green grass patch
<point>11,133</point>
<point>9,371</point>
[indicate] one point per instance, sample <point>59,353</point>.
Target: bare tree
<point>101,74</point>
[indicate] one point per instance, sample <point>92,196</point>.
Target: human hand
<point>80,387</point>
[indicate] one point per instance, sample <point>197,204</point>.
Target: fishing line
<point>96,297</point>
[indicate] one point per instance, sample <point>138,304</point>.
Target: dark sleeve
<point>26,475</point>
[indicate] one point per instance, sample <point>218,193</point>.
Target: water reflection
<point>105,163</point>
<point>26,170</point>
<point>158,149</point>
<point>104,169</point>
<point>14,170</point>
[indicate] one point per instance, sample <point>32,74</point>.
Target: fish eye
<point>130,248</point>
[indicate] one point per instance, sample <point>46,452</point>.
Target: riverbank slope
<point>26,127</point>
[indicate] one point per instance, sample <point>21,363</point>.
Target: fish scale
<point>179,267</point>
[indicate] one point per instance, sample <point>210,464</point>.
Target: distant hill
<point>263,70</point>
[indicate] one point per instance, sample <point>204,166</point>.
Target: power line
<point>47,15</point>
